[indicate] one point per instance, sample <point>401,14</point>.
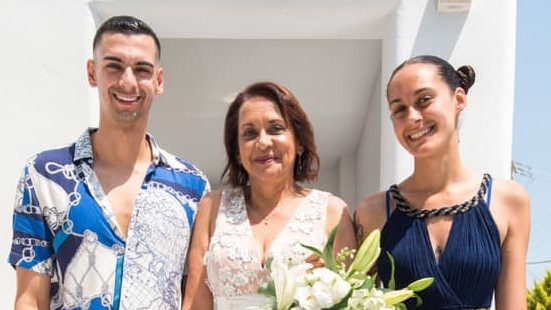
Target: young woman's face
<point>267,147</point>
<point>423,109</point>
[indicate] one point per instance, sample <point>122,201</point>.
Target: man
<point>105,223</point>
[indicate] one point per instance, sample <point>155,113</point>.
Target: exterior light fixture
<point>451,6</point>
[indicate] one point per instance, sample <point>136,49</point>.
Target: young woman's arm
<point>514,215</point>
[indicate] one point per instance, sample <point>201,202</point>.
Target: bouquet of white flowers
<point>334,286</point>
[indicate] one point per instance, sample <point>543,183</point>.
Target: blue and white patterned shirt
<point>63,226</point>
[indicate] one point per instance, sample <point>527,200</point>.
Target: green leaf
<point>391,282</point>
<point>327,253</point>
<point>539,297</point>
<point>268,289</point>
<point>327,256</point>
<point>396,297</point>
<point>313,249</point>
<point>420,284</point>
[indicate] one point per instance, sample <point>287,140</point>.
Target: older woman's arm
<point>197,294</point>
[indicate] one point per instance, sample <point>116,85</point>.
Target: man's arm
<point>33,290</point>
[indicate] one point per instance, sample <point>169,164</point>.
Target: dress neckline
<point>403,205</point>
<point>273,244</point>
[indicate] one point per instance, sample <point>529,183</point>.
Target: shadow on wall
<point>439,32</point>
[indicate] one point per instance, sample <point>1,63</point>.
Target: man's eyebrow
<point>112,58</point>
<point>139,63</point>
<point>145,63</point>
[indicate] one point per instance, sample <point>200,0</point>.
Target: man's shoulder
<point>60,156</point>
<point>178,163</point>
<point>182,175</point>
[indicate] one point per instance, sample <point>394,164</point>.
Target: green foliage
<point>539,297</point>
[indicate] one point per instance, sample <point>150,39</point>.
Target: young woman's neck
<point>437,172</point>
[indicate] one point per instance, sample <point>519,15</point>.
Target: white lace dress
<point>234,268</point>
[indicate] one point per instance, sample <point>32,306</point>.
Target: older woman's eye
<point>275,129</point>
<point>398,112</point>
<point>249,134</point>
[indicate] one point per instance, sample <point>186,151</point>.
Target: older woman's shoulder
<point>372,204</point>
<point>370,214</point>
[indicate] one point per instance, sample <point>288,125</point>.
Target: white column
<point>46,101</point>
<point>487,42</point>
<point>347,179</point>
<point>398,44</point>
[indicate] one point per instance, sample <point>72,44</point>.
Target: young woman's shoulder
<point>510,207</point>
<point>370,214</point>
<point>511,195</point>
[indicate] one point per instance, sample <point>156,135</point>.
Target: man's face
<point>126,71</point>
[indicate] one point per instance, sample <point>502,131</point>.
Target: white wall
<point>46,100</point>
<point>488,44</point>
<point>328,180</point>
<point>368,155</point>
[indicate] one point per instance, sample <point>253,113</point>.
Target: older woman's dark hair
<point>463,77</point>
<point>306,162</point>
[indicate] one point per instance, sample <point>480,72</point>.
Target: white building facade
<point>336,56</point>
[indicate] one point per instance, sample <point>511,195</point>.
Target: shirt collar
<point>83,149</point>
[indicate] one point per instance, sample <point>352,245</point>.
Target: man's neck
<point>120,147</point>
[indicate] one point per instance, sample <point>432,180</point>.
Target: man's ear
<point>160,81</point>
<point>91,73</point>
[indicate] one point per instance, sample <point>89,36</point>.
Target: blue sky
<point>532,126</point>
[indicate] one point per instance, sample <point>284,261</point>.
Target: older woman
<point>265,212</point>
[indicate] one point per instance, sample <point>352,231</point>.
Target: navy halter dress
<point>468,269</point>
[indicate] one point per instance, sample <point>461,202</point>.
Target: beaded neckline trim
<point>402,204</point>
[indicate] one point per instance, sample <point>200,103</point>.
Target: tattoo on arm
<point>358,228</point>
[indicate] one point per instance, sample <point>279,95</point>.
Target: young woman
<point>464,228</point>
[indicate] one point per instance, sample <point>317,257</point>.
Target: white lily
<point>367,254</point>
<point>284,282</point>
<point>368,299</point>
<point>321,289</point>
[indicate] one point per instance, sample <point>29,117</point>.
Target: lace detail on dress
<point>403,205</point>
<point>232,262</point>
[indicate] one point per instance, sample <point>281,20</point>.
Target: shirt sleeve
<point>31,246</point>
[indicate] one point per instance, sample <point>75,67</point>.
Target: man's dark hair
<point>126,25</point>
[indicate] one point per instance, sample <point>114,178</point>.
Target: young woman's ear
<point>460,98</point>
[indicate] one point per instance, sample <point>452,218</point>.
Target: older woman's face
<point>267,147</point>
<point>423,109</point>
